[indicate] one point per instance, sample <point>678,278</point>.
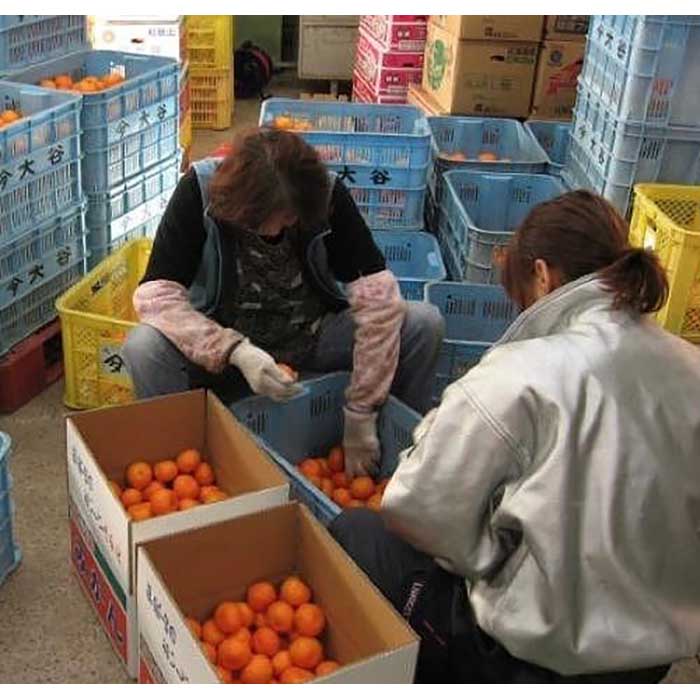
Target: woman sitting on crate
<point>545,525</point>
<point>243,276</point>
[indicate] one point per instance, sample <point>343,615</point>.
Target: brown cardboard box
<point>558,69</point>
<point>364,633</point>
<point>566,27</point>
<point>496,27</point>
<point>104,540</point>
<point>479,77</point>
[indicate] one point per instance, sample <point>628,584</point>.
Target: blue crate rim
<point>528,126</point>
<point>5,447</point>
<point>424,235</point>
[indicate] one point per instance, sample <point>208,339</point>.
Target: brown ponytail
<point>577,234</point>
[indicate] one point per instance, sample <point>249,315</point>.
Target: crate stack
<point>129,141</point>
<point>210,57</point>
<point>389,57</point>
<point>637,115</point>
<point>10,553</point>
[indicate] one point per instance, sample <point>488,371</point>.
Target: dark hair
<point>577,234</point>
<point>267,171</point>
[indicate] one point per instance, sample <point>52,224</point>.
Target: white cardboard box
<point>158,36</point>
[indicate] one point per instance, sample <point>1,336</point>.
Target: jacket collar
<point>560,309</point>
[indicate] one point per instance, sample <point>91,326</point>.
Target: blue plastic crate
<point>389,208</point>
<point>29,39</point>
<point>645,67</point>
<point>10,554</point>
<point>554,139</point>
<point>311,424</point>
<point>129,127</point>
<point>414,258</point>
<point>608,155</point>
<point>36,309</point>
<point>40,255</point>
<point>476,315</point>
<point>515,147</point>
<point>480,212</point>
<point>39,158</point>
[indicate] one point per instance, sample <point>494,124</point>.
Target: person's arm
<point>162,298</point>
<point>441,496</point>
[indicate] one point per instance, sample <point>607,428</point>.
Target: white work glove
<point>360,443</point>
<point>262,373</point>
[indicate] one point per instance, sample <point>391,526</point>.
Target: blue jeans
<point>157,367</point>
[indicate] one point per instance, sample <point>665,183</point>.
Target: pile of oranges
<point>272,637</point>
<point>89,83</point>
<point>328,475</point>
<point>168,486</point>
<point>9,116</point>
<point>484,157</point>
<point>289,123</point>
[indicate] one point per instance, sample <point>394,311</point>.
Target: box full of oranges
<point>266,598</point>
<point>149,469</point>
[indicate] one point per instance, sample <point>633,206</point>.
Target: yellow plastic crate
<point>210,41</point>
<point>96,316</point>
<point>186,130</point>
<point>666,219</point>
<point>211,98</point>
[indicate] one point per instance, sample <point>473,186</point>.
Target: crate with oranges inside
<point>269,597</point>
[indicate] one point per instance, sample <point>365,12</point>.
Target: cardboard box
<point>418,97</point>
<point>102,442</point>
<point>496,27</point>
<point>396,32</point>
<point>558,68</point>
<point>365,634</point>
<point>159,37</point>
<point>479,77</point>
<point>566,27</point>
<point>364,93</point>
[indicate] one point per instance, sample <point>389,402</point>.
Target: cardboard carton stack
<point>481,65</point>
<point>389,58</point>
<point>558,67</point>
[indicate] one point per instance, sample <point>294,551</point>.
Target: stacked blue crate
<point>637,116</point>
<point>380,152</point>
<point>10,554</point>
<point>42,234</point>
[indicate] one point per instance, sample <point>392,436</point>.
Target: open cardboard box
<point>102,442</point>
<point>189,574</point>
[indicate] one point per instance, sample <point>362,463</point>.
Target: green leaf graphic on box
<point>438,60</point>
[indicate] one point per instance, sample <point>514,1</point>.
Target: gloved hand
<point>262,373</point>
<point>360,443</point>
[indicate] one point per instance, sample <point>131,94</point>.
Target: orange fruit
<point>342,497</point>
<point>336,460</point>
<point>224,674</point>
<point>316,481</point>
<point>266,641</point>
<point>258,670</point>
<point>186,486</point>
<point>205,491</point>
<point>289,371</point>
<point>246,613</point>
<point>309,620</point>
<point>187,504</point>
<point>140,511</point>
<point>261,595</point>
<point>214,496</point>
<point>310,467</point>
<point>139,475</point>
<point>296,675</point>
<point>116,489</point>
<point>63,81</point>
<point>340,481</point>
<point>194,626</point>
<point>244,635</point>
<point>233,654</point>
<point>325,470</point>
<point>204,474</point>
<point>374,502</point>
<point>260,620</point>
<point>130,497</point>
<point>325,668</point>
<point>295,592</point>
<point>327,487</point>
<point>280,616</point>
<point>283,122</point>
<point>188,461</point>
<point>281,661</point>
<point>99,86</point>
<point>148,491</point>
<point>47,83</point>
<point>355,503</point>
<point>165,471</point>
<point>209,651</point>
<point>112,79</point>
<point>227,617</point>
<point>306,652</point>
<point>488,156</point>
<point>163,501</point>
<point>211,633</point>
<point>86,86</point>
<point>362,487</point>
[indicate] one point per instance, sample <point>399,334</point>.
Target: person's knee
<point>143,345</point>
<point>355,526</point>
<point>424,323</point>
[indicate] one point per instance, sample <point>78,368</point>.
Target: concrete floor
<point>48,632</point>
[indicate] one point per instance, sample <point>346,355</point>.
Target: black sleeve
<point>352,252</point>
<point>177,248</point>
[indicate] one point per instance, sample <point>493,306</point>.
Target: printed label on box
<point>148,668</point>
